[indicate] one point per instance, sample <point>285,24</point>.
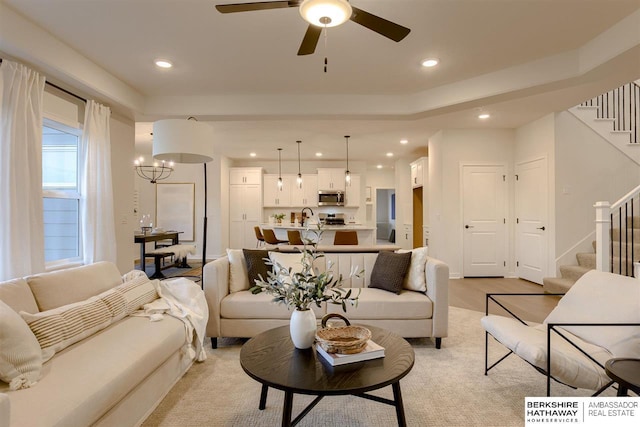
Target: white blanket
<point>184,300</point>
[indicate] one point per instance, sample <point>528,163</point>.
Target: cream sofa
<point>409,314</point>
<point>114,377</point>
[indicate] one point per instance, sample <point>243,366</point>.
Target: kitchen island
<point>366,234</point>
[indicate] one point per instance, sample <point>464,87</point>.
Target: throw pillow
<point>238,274</point>
<point>57,329</point>
<point>136,292</point>
<point>415,280</point>
<point>288,261</point>
<point>256,265</point>
<point>61,327</point>
<point>389,270</point>
<point>20,354</point>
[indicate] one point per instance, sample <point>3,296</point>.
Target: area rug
<point>446,387</point>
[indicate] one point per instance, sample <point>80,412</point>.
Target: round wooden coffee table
<point>626,372</point>
<point>271,359</point>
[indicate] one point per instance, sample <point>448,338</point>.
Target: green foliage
<point>310,286</point>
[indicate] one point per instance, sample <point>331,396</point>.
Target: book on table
<point>371,351</point>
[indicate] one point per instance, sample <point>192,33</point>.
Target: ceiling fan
<point>323,14</point>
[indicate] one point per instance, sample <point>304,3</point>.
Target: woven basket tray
<point>342,339</point>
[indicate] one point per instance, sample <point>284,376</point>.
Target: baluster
<point>611,242</point>
<point>632,232</point>
<point>620,240</point>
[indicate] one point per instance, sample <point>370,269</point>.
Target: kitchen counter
<point>289,226</point>
<point>366,233</point>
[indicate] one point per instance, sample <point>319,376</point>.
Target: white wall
<point>122,151</point>
<point>448,150</point>
<point>533,141</point>
<point>588,169</point>
<point>217,202</point>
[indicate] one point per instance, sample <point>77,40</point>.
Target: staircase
<point>570,273</point>
<point>615,116</point>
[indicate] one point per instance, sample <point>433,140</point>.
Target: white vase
<point>303,328</point>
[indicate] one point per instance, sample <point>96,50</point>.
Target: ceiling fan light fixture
<point>326,13</point>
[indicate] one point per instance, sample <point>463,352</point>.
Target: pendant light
<point>347,174</point>
<point>299,180</point>
<point>280,169</point>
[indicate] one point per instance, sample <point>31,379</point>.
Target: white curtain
<point>21,217</point>
<point>98,226</point>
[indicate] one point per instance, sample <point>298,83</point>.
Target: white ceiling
<point>517,59</point>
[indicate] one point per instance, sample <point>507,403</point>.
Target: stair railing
<point>615,237</point>
<point>623,106</point>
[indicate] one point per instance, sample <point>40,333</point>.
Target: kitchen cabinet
<point>405,238</point>
<point>418,170</point>
<point>331,179</point>
<point>353,192</point>
<point>308,194</point>
<point>245,206</point>
<point>274,196</point>
<point>245,176</point>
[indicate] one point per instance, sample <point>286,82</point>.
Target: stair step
<point>626,249</point>
<point>635,219</point>
<point>615,233</point>
<point>586,259</point>
<point>573,272</point>
<point>626,267</point>
<point>556,285</point>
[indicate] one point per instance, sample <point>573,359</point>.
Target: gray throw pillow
<point>389,271</point>
<point>256,265</point>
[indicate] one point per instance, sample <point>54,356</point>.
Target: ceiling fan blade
<point>310,40</point>
<point>263,5</point>
<point>381,26</point>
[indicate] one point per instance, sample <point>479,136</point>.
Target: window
<point>61,203</point>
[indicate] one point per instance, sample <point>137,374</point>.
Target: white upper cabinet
<point>275,197</point>
<point>353,192</point>
<point>245,176</point>
<point>308,194</point>
<point>418,171</point>
<point>331,179</point>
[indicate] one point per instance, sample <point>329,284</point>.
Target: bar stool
<point>346,237</point>
<point>270,237</point>
<point>259,236</point>
<point>294,237</point>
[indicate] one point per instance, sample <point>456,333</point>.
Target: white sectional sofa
<point>113,377</point>
<point>410,314</point>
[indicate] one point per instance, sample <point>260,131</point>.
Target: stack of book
<point>371,351</point>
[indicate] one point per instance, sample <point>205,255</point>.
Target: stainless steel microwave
<point>330,198</point>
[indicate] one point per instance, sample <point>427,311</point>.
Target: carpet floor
<point>446,387</point>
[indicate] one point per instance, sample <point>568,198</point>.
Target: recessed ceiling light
<point>252,154</point>
<point>484,116</point>
<point>389,154</point>
<point>318,154</point>
<point>404,141</point>
<point>379,166</point>
<point>430,62</point>
<point>163,63</point>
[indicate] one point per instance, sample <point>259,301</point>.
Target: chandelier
<point>153,173</point>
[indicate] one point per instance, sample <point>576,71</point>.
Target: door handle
<point>468,226</point>
<point>541,228</point>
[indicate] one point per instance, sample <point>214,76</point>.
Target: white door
<point>484,220</point>
<point>531,220</point>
